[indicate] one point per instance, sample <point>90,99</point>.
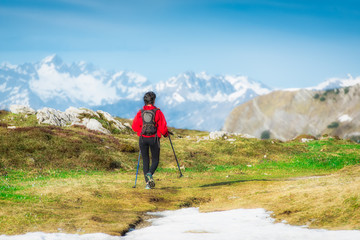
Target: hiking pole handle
<point>175,157</point>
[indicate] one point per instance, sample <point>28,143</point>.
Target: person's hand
<point>168,133</point>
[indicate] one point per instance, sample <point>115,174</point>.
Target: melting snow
<point>190,224</point>
<point>345,118</point>
<point>234,224</point>
<point>59,236</point>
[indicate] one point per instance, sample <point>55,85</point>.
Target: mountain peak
<point>54,83</point>
<point>52,59</point>
<point>333,83</point>
<point>204,75</point>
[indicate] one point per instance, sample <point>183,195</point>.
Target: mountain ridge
<point>285,115</point>
<point>53,83</point>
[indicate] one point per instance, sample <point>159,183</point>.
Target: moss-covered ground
<point>78,181</point>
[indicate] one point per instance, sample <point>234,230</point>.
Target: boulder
<point>94,124</point>
<point>217,134</point>
<point>223,134</point>
<point>76,113</point>
<point>78,116</point>
<point>18,109</point>
<point>53,117</point>
<point>110,119</point>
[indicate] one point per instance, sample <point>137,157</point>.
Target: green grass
<point>57,173</point>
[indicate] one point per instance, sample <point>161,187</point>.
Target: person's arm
<point>137,123</point>
<point>161,122</point>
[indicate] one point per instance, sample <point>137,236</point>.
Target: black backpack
<point>148,117</point>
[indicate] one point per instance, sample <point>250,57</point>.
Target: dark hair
<point>149,98</point>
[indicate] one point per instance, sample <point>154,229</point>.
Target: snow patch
<point>177,97</point>
<point>136,78</point>
<point>337,83</point>
<point>203,75</point>
<point>236,224</point>
<point>345,118</point>
<point>190,224</point>
<point>59,236</point>
<point>118,74</point>
<point>291,89</point>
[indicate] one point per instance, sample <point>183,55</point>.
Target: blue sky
<point>280,43</point>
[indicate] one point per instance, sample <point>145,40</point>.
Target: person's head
<point>149,98</point>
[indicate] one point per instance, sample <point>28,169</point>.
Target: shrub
<point>316,96</point>
<point>115,165</point>
<point>333,125</point>
<point>346,90</point>
<point>322,98</point>
<point>127,148</point>
<point>265,134</point>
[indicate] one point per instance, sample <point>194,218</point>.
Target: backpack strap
<point>155,110</point>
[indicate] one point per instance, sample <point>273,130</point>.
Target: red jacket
<point>160,123</point>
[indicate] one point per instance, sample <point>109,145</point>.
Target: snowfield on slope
<point>190,224</point>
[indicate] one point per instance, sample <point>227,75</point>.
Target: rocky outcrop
<point>21,109</point>
<point>94,124</point>
<point>54,117</point>
<point>286,114</point>
<point>74,116</point>
<point>222,134</point>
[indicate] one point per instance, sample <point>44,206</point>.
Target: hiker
<point>150,124</point>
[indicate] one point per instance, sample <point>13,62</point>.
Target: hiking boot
<point>147,186</point>
<point>150,180</point>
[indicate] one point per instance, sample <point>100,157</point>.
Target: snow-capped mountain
<point>53,83</point>
<point>201,100</point>
<point>83,83</point>
<point>14,85</point>
<point>213,89</point>
<point>333,83</point>
<point>189,100</point>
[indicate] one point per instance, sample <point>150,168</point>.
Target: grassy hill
<point>79,181</point>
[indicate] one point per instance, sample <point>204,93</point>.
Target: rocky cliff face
<point>287,114</point>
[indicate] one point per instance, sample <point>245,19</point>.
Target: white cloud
<point>51,84</point>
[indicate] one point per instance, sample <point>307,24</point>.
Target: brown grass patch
<point>328,202</point>
<point>306,136</point>
<point>108,203</point>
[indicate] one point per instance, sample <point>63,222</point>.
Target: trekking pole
<point>175,155</point>
<point>137,169</point>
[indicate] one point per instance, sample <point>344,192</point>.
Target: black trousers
<point>152,143</point>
